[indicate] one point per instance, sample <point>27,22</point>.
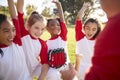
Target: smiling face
<point>7,33</point>
<point>36,24</point>
<point>36,29</point>
<point>90,30</point>
<point>53,27</point>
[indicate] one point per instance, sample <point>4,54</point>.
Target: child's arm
<point>82,10</point>
<point>13,14</point>
<point>63,33</point>
<point>78,27</point>
<point>44,70</point>
<point>20,4</point>
<point>60,10</point>
<point>12,10</point>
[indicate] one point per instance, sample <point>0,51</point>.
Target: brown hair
<point>34,17</point>
<point>98,26</point>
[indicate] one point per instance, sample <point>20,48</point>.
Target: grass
<point>71,41</point>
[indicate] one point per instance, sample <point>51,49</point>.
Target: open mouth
<point>10,40</point>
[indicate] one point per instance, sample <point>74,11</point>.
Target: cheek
<point>14,33</point>
<point>32,30</point>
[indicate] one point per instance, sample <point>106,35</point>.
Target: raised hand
<point>55,1</point>
<point>80,14</point>
<point>86,4</point>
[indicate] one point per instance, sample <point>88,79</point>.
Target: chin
<point>8,44</point>
<point>89,37</point>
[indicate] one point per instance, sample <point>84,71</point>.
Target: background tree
<point>73,6</point>
<point>46,12</point>
<point>4,10</point>
<point>30,8</point>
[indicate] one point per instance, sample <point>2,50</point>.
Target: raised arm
<point>60,10</point>
<point>20,4</point>
<point>12,10</point>
<point>13,14</point>
<point>78,27</point>
<point>63,33</point>
<point>82,10</point>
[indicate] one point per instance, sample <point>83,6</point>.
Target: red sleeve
<point>78,29</point>
<point>17,38</point>
<point>64,31</point>
<point>44,52</point>
<point>22,27</point>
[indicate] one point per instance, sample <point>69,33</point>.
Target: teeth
<point>10,39</point>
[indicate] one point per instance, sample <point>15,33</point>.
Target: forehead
<point>39,24</point>
<point>7,24</point>
<point>54,21</point>
<point>91,25</point>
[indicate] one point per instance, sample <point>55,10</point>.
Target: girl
<point>12,59</point>
<point>57,44</point>
<point>85,41</point>
<point>33,46</point>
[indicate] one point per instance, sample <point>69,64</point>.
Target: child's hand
<point>86,4</point>
<point>56,1</point>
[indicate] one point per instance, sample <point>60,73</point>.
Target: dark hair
<point>34,16</point>
<point>98,26</point>
<point>48,20</point>
<point>2,18</point>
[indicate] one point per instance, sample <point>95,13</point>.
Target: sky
<point>40,4</point>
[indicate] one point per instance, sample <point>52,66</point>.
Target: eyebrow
<point>5,29</point>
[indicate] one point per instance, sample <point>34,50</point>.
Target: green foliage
<point>73,6</point>
<point>46,12</point>
<point>4,10</point>
<point>30,8</point>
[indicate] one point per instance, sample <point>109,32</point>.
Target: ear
<point>27,27</point>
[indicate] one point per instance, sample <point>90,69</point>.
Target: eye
<point>42,29</point>
<point>36,27</point>
<point>87,28</point>
<point>6,31</point>
<point>94,29</point>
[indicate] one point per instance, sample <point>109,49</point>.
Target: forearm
<point>20,5</point>
<point>12,10</point>
<point>60,10</point>
<point>77,63</point>
<point>81,13</point>
<point>82,10</point>
<point>44,70</point>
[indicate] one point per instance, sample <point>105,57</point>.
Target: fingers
<point>86,4</point>
<point>55,1</point>
<point>70,66</point>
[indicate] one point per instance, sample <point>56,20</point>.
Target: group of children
<point>24,56</point>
